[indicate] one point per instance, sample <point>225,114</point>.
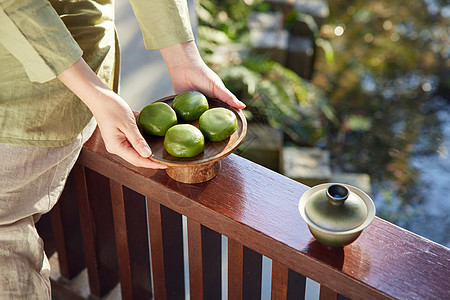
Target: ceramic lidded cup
<point>336,213</point>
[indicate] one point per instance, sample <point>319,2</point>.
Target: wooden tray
<point>206,165</point>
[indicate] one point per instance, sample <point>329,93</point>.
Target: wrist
<point>180,54</point>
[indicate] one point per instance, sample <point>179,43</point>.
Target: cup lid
<point>336,208</point>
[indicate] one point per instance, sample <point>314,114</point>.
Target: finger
<point>223,94</point>
<point>236,103</point>
<point>137,141</point>
<point>128,153</point>
<point>134,149</point>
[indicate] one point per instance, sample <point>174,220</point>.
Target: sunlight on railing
<point>236,236</point>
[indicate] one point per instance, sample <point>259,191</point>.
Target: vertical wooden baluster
<point>59,237</point>
<point>66,227</point>
<point>244,272</point>
<point>327,294</point>
<point>252,274</point>
<point>44,228</point>
<point>204,262</point>
<point>166,240</point>
<point>212,263</point>
<point>172,231</point>
<point>100,200</point>
<point>195,259</point>
<point>279,281</point>
<point>157,250</point>
<point>138,243</point>
<point>97,228</point>
<point>132,249</point>
<point>296,286</point>
<point>235,269</point>
<point>87,228</point>
<point>120,228</point>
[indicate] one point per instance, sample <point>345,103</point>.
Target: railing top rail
<point>258,208</point>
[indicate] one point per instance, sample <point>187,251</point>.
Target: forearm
<point>84,83</point>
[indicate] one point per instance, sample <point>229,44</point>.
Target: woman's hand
<point>114,117</point>
<point>121,135</point>
<point>189,72</point>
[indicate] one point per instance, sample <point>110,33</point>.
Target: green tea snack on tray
<point>184,140</point>
<point>190,105</point>
<point>218,123</point>
<point>156,118</point>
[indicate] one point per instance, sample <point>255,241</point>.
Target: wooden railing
<point>110,213</point>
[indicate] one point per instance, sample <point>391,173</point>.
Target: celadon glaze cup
<point>336,213</point>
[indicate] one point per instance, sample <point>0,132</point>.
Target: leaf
<point>327,49</point>
<point>249,78</point>
<point>212,35</point>
<point>359,123</point>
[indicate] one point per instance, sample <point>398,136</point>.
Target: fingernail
<point>146,152</point>
<point>241,103</point>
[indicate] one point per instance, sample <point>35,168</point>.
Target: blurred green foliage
<point>370,101</point>
<point>273,93</point>
<point>390,58</point>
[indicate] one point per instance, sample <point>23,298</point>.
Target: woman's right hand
<point>114,117</point>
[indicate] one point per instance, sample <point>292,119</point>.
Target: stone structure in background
<point>291,45</point>
<point>308,165</point>
<point>263,145</point>
<point>268,35</point>
<point>311,166</point>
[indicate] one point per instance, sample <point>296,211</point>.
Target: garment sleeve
<point>163,22</point>
<point>36,36</point>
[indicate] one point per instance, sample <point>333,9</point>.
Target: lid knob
<point>337,194</point>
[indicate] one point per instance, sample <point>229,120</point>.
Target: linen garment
<point>29,188</point>
<point>39,39</point>
<point>42,123</point>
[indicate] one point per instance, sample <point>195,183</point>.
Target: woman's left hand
<point>189,72</point>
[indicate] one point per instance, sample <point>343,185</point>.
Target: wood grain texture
<point>130,225</point>
<point>61,231</point>
<point>194,174</point>
<point>256,207</point>
<point>120,228</point>
<point>195,259</point>
<point>156,245</point>
<point>98,230</point>
<point>66,226</point>
<point>327,294</point>
<point>204,262</point>
<point>138,243</point>
<point>88,229</point>
<point>235,269</point>
<point>279,281</point>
